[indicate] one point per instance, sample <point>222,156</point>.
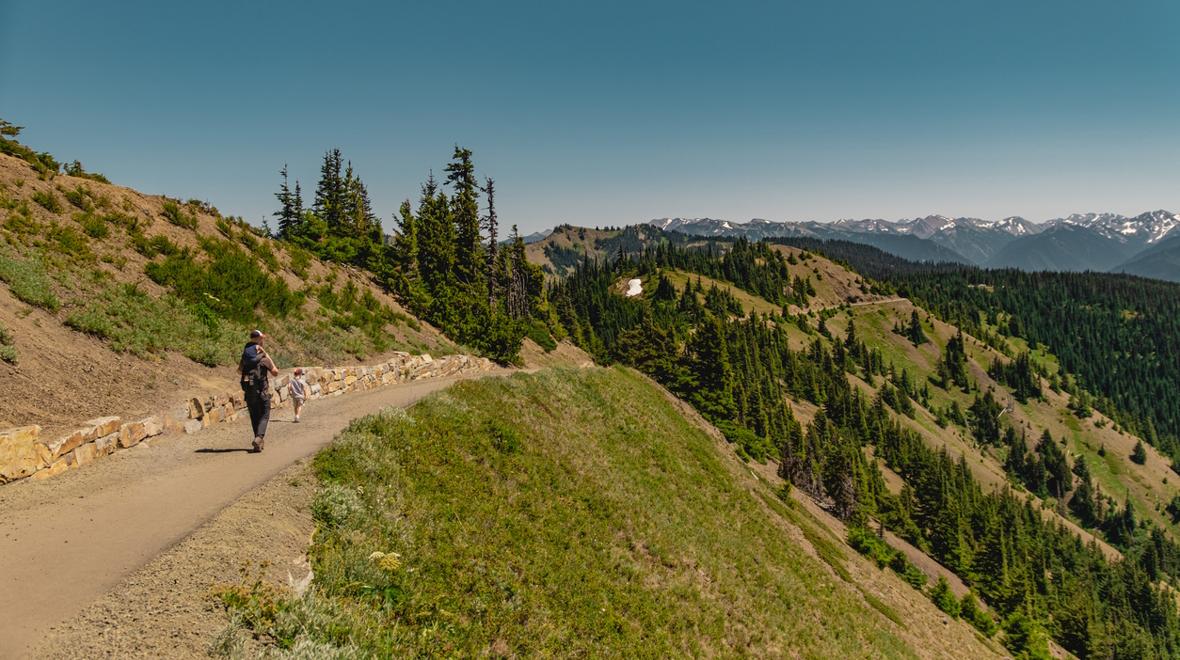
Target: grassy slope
<point>68,255</point>
<point>584,513</point>
<point>568,245</point>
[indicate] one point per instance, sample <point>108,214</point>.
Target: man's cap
<point>255,334</point>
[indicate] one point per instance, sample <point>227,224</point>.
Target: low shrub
<point>75,169</point>
<point>151,247</point>
<point>972,612</point>
<point>874,547</point>
<point>943,598</point>
<point>539,333</point>
<point>299,261</point>
<point>7,349</point>
<point>80,197</point>
<point>70,241</point>
<point>93,225</point>
<point>47,200</point>
<point>28,280</point>
<point>335,505</point>
<point>230,282</point>
<point>133,321</point>
<point>173,213</point>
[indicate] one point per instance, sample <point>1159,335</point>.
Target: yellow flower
<point>390,562</point>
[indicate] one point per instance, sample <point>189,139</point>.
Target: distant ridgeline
<point>1118,334</point>
<point>738,368</point>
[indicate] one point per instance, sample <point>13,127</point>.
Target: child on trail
<point>297,388</point>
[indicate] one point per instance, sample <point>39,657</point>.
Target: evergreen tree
<point>1139,455</point>
<point>985,419</point>
<point>465,208</point>
<point>288,214</point>
<point>330,194</point>
<point>436,238</point>
<point>914,330</point>
<point>491,225</point>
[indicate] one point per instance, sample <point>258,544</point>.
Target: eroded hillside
<point>112,301</point>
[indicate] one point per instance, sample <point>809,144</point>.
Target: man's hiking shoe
<point>258,445</point>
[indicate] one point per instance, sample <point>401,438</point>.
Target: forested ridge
<point>736,368</point>
<point>1118,334</point>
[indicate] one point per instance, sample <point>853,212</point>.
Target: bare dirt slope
<point>68,541</point>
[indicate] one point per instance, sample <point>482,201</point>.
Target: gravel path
<point>67,542</point>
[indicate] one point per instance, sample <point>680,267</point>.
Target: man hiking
<point>256,368</point>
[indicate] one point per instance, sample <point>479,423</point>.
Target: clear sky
<point>602,113</point>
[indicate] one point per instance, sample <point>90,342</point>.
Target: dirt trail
<point>67,541</point>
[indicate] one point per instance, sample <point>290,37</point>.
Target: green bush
<point>174,214</point>
<point>93,225</point>
<point>973,613</point>
<point>133,321</point>
<point>71,242</point>
<point>943,598</point>
<point>870,545</point>
<point>230,282</point>
<point>299,261</point>
<point>80,197</point>
<point>47,200</point>
<point>335,505</point>
<point>7,349</point>
<point>121,219</point>
<point>45,164</point>
<point>874,547</point>
<point>539,333</point>
<point>907,571</point>
<point>28,280</point>
<point>75,169</point>
<point>156,245</point>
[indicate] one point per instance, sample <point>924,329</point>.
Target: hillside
<point>145,299</point>
<point>596,519</point>
<point>1161,261</point>
<point>964,447</point>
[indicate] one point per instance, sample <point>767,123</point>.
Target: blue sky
<point>612,113</point>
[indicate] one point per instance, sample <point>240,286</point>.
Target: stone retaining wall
<point>25,454</point>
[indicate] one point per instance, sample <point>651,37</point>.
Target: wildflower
<point>390,562</point>
<point>387,561</point>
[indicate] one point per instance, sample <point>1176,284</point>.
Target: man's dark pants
<point>259,407</point>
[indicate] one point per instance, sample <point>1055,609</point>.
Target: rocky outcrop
<point>24,453</point>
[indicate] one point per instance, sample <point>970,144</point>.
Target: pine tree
<point>914,330</point>
<point>465,207</point>
<point>1139,455</point>
<point>491,224</point>
<point>330,194</point>
<point>712,370</point>
<point>287,213</point>
<point>436,238</point>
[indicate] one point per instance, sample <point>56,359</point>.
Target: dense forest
<point>737,368</point>
<point>1118,334</point>
<point>445,262</point>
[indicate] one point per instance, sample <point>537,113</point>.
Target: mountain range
<point>1147,244</point>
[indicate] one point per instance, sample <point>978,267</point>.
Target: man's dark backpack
<point>255,377</point>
